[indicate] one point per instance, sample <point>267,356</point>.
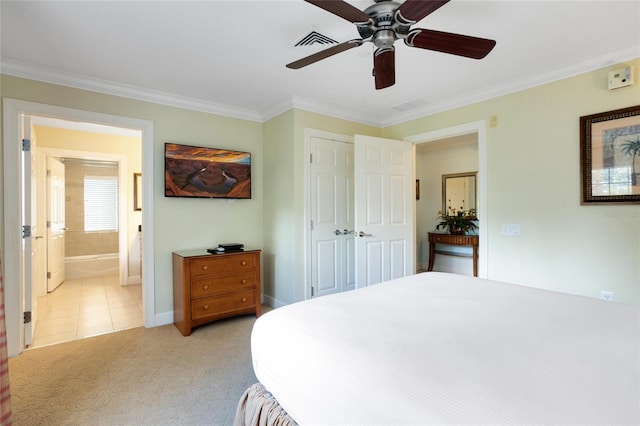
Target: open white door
<point>29,229</point>
<point>385,201</point>
<point>55,223</point>
<point>331,206</point>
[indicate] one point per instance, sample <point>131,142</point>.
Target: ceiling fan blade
<point>411,11</point>
<point>333,50</point>
<point>342,9</point>
<point>455,44</point>
<point>384,67</point>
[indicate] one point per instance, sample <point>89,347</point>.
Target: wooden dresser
<point>208,287</point>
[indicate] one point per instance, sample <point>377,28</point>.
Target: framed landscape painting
<point>202,172</point>
<point>610,157</point>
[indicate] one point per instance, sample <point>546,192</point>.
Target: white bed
<point>438,348</point>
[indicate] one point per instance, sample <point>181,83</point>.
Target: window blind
<point>100,203</point>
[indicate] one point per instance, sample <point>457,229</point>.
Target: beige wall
<point>84,143</point>
<point>533,179</point>
<point>77,242</point>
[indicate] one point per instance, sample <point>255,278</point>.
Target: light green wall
<point>179,223</point>
<point>533,179</point>
<point>279,232</point>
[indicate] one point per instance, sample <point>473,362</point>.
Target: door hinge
<point>48,275</point>
<point>26,231</point>
<point>311,225</point>
<point>312,292</point>
<point>310,158</point>
<point>48,224</point>
<point>26,145</point>
<point>27,317</point>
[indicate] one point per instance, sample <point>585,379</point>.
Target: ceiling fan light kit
<point>385,22</point>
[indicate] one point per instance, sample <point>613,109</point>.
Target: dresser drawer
<point>203,308</point>
<point>222,265</point>
<point>210,286</point>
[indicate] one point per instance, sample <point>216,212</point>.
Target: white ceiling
<point>228,57</point>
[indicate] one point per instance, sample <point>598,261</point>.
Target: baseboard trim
<point>133,280</point>
<point>273,302</point>
<point>163,318</point>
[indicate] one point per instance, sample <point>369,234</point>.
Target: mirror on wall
<point>459,190</point>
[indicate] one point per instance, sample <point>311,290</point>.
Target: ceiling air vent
<point>408,106</point>
<point>313,37</point>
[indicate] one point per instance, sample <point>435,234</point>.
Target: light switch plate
<point>511,229</point>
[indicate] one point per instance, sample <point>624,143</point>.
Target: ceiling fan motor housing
<point>383,29</point>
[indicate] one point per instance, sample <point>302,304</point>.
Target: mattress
<point>438,348</point>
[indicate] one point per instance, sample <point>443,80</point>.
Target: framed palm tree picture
<point>610,157</point>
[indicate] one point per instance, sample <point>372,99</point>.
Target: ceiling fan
<point>385,22</point>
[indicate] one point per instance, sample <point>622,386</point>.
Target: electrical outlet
<point>606,295</point>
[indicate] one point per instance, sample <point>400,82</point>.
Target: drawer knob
<point>244,281</point>
<point>243,263</point>
<point>205,307</point>
<point>206,287</point>
<point>244,299</point>
<point>205,268</point>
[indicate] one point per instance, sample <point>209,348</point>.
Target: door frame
<point>480,129</point>
<point>12,238</point>
<point>123,256</point>
<point>308,134</point>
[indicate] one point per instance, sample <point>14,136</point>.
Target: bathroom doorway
<point>100,291</point>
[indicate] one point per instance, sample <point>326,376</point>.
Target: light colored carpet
<point>139,376</point>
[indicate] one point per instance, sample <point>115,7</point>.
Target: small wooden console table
<point>458,240</point>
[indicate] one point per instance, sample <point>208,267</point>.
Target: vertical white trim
<point>12,261</point>
<point>12,245</point>
<point>479,128</point>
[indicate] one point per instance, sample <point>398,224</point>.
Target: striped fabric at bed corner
<point>5,392</point>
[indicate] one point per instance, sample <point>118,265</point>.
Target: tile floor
<point>87,307</point>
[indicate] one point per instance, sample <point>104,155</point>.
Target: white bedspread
<point>438,348</point>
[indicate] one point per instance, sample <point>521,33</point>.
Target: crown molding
<point>588,65</point>
<point>48,75</point>
<point>24,70</point>
<point>310,105</point>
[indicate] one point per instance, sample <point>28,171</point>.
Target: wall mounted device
<point>620,78</point>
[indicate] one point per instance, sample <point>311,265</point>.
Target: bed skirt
<point>257,407</point>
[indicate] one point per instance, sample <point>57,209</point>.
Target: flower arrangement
<point>457,221</point>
